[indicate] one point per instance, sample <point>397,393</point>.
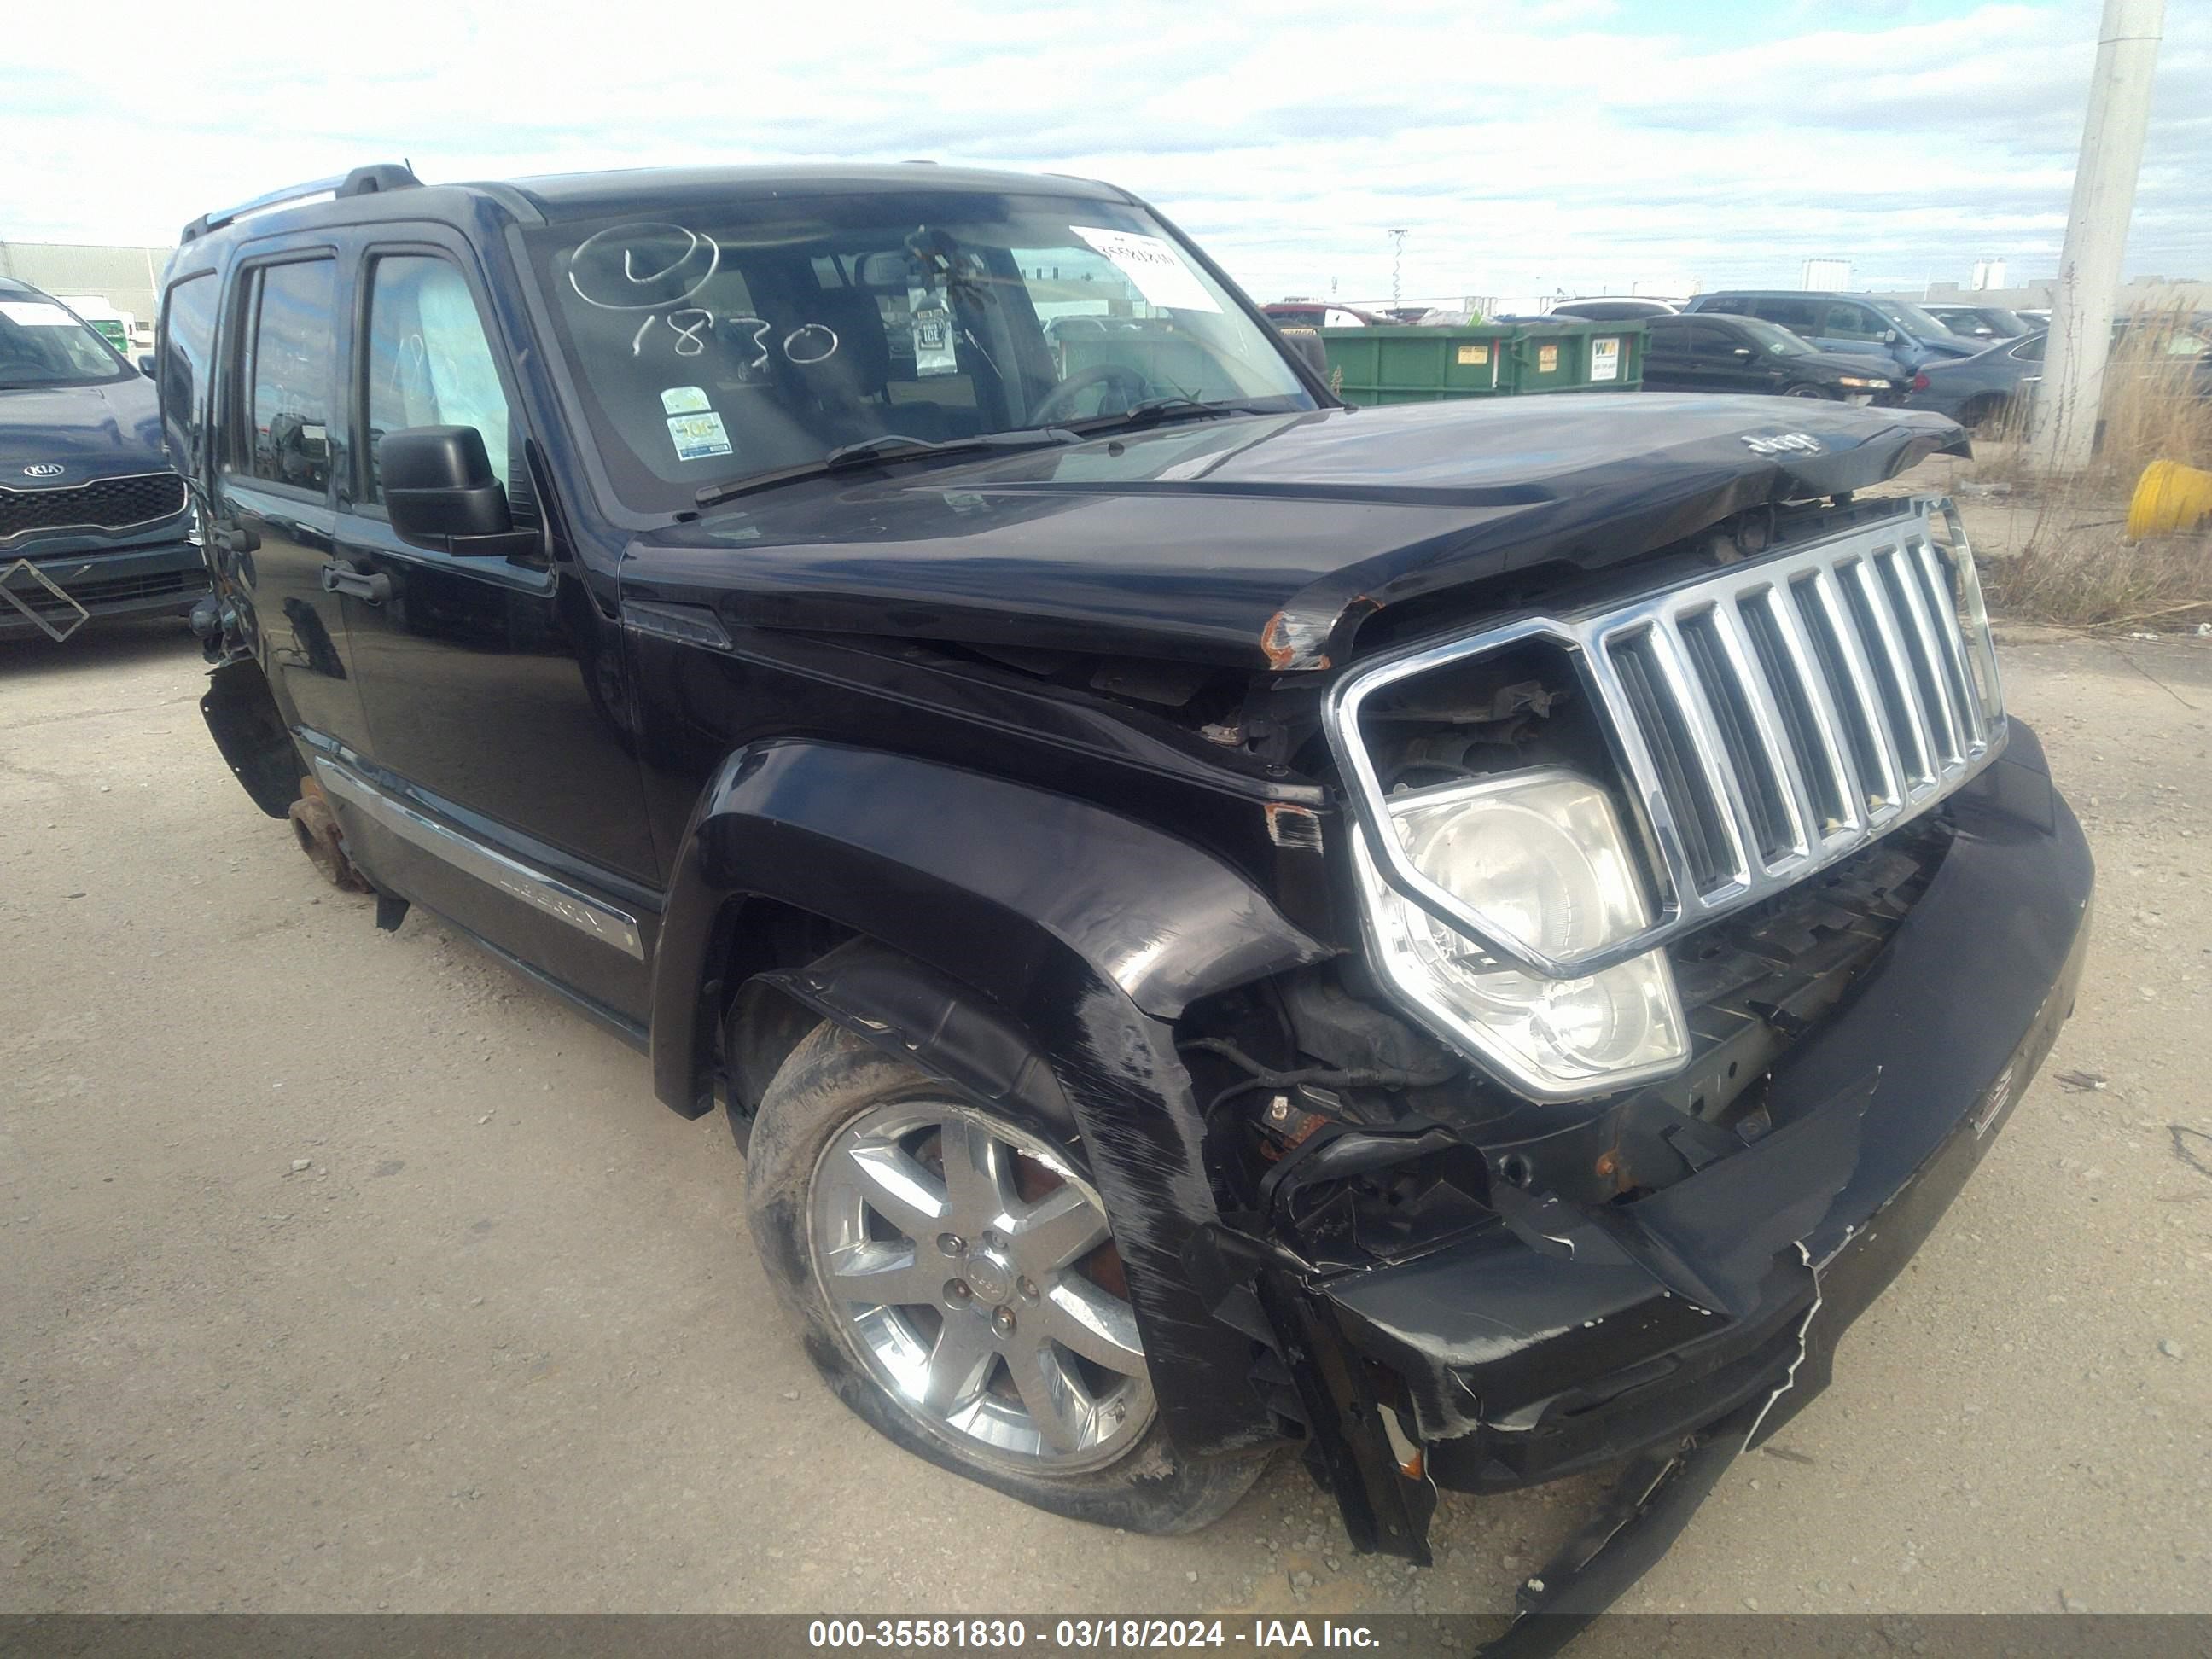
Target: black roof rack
<point>362,181</point>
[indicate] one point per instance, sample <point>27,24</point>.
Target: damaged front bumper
<point>1696,1321</point>
<point>54,594</point>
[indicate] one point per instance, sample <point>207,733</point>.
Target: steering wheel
<point>1055,404</point>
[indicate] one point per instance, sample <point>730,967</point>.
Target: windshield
<point>762,337</point>
<point>41,344</point>
<point>1912,319</point>
<point>1773,338</point>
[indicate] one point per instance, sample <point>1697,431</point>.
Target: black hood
<point>104,430</point>
<point>1263,541</point>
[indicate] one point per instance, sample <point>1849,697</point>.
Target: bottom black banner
<point>773,1636</point>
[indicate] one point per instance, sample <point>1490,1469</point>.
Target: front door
<point>1846,325</point>
<point>275,519</point>
<point>495,685</point>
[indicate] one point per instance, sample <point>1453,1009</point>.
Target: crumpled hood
<point>100,431</point>
<point>1265,541</point>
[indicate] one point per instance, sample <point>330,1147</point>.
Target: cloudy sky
<point>1581,145</point>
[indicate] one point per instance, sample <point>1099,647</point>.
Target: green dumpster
<point>1418,365</point>
<point>1373,366</point>
<point>1578,356</point>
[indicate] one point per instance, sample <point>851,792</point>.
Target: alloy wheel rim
<point>972,1272</point>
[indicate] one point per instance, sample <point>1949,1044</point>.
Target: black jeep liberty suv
<point>1472,939</point>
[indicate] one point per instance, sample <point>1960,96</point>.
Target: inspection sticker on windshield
<point>1604,360</point>
<point>684,400</point>
<point>1153,265</point>
<point>35,314</point>
<point>698,436</point>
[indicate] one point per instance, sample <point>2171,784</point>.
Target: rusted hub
<point>317,829</point>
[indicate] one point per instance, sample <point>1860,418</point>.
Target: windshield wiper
<point>1172,406</point>
<point>890,446</point>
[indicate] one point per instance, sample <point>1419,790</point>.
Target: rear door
<point>505,794</point>
<point>1802,318</point>
<point>275,513</point>
<point>1668,366</point>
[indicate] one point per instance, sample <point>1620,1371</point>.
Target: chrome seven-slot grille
<point>1769,721</point>
<point>103,504</point>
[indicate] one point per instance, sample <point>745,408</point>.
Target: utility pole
<point>1397,259</point>
<point>2063,431</point>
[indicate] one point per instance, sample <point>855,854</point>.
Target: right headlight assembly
<point>1539,857</point>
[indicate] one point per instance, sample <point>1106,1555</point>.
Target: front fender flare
<point>1090,932</point>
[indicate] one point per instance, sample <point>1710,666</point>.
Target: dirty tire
<point>831,1079</point>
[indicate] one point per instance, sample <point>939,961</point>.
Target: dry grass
<point>2072,568</point>
<point>2084,576</point>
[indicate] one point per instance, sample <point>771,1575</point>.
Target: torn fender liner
<point>1384,1508</point>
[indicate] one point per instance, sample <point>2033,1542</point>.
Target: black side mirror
<point>440,490</point>
<point>146,364</point>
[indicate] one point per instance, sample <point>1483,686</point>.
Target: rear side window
<point>182,352</point>
<point>1732,307</point>
<point>431,363</point>
<point>1854,323</point>
<point>289,370</point>
<point>1800,316</point>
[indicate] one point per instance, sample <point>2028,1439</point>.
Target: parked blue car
<point>1905,335</point>
<point>1997,382</point>
<point>93,521</point>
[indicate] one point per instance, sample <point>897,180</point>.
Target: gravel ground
<point>346,1271</point>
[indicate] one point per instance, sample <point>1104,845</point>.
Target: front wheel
<point>1803,390</point>
<point>955,1280</point>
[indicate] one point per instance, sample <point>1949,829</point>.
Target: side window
<point>2030,351</point>
<point>1799,316</point>
<point>1731,307</point>
<point>1846,322</point>
<point>429,360</point>
<point>182,350</point>
<point>1708,341</point>
<point>293,319</point>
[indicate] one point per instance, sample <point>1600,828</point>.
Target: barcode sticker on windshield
<point>698,436</point>
<point>1153,265</point>
<point>35,314</point>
